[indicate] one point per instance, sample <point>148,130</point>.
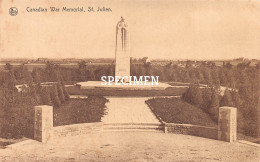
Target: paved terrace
<point>128,110</point>
<point>131,146</point>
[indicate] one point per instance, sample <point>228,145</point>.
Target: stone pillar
<point>165,128</point>
<point>43,123</point>
<point>258,105</point>
<point>227,124</point>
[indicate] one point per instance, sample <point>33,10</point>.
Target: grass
<point>5,142</point>
<point>241,136</point>
<point>76,111</point>
<point>174,110</point>
<point>18,121</point>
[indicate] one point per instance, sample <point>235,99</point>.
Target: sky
<point>169,29</point>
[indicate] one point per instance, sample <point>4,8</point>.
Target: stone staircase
<point>140,127</point>
<point>130,114</point>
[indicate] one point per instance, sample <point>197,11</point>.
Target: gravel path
<point>132,146</point>
<point>128,110</point>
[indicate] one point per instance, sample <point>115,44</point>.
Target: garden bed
<point>174,110</point>
<point>76,111</point>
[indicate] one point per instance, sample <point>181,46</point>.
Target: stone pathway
<point>128,110</point>
<point>132,146</point>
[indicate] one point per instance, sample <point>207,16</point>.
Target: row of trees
<point>17,103</point>
<point>203,73</point>
<point>242,78</point>
<point>13,80</point>
<point>209,100</point>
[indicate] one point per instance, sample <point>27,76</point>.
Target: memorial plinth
<point>43,123</point>
<point>98,85</point>
<point>227,124</point>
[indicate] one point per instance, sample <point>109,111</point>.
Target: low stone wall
<point>194,130</point>
<point>77,129</point>
<point>44,130</point>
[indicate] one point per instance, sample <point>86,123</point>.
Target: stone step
<point>133,130</point>
<point>133,127</point>
<point>141,124</point>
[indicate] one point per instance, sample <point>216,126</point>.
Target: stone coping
<point>149,124</point>
<point>76,129</point>
<point>78,124</point>
<point>194,130</point>
<point>86,96</point>
<point>249,143</point>
<point>190,125</point>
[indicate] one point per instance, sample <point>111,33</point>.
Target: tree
<point>207,92</point>
<point>8,66</point>
<point>82,71</point>
<point>82,64</point>
<point>207,76</point>
<point>227,65</point>
<point>258,99</point>
<point>61,93</point>
<point>193,95</point>
<point>144,60</point>
<point>215,77</point>
<point>8,87</point>
<point>227,99</point>
<point>222,77</point>
<point>186,76</point>
<point>36,76</point>
<point>236,99</point>
<point>45,95</point>
<point>214,99</point>
<point>54,96</point>
<point>214,105</point>
<point>230,78</point>
<point>53,72</point>
<point>66,93</point>
<point>243,65</point>
<point>34,93</point>
<point>26,75</point>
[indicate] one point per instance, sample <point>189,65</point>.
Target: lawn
<point>76,111</point>
<point>5,142</point>
<point>174,110</point>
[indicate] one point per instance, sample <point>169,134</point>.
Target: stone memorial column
<point>227,124</point>
<point>122,67</point>
<point>43,123</point>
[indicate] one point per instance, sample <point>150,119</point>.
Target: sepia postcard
<point>130,80</point>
